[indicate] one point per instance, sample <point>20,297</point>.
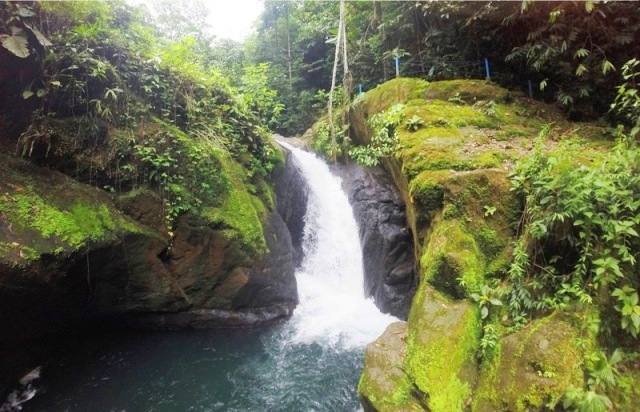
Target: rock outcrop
<point>292,193</point>
<point>452,172</point>
<point>387,243</point>
<point>68,254</point>
<point>384,385</point>
<point>531,368</point>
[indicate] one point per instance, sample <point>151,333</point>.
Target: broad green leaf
<point>16,43</point>
<point>41,38</point>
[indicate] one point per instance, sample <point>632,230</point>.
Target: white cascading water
<point>333,309</point>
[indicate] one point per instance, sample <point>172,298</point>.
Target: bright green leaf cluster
<point>580,232</point>
<point>384,140</point>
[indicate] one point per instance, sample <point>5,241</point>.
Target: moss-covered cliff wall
<point>453,168</point>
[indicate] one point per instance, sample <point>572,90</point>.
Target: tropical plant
<point>384,139</point>
<point>414,124</point>
<point>627,101</point>
<point>579,234</point>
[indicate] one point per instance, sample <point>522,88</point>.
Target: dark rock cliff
<point>51,276</point>
<point>292,193</point>
<point>387,243</point>
<point>69,254</point>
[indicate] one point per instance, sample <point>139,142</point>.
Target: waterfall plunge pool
<point>312,362</point>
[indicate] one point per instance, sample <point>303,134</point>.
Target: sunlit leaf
<point>581,69</point>
<point>543,84</point>
<point>22,12</point>
<point>607,66</point>
<point>581,53</point>
<point>16,43</point>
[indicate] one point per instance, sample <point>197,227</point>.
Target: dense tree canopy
<point>571,52</point>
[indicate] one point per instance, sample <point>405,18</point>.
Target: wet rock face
<point>292,193</point>
<point>387,243</point>
<point>52,278</point>
<point>216,291</point>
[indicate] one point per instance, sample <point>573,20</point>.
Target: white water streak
<point>333,309</point>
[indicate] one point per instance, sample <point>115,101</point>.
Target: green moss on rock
<point>469,91</point>
<point>533,369</point>
<point>384,386</point>
<point>45,212</point>
<point>442,348</point>
<point>453,173</point>
<point>452,261</point>
<point>225,197</point>
<point>463,244</point>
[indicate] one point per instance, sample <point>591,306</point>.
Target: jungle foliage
<point>572,52</point>
<point>106,82</point>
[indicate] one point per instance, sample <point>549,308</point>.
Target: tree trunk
<point>288,46</point>
<point>332,129</point>
<point>347,79</point>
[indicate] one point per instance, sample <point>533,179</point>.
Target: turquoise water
<point>234,370</point>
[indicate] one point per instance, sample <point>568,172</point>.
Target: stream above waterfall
<point>311,362</point>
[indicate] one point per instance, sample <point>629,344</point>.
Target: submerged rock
<point>387,243</point>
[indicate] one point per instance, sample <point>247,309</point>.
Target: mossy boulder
<point>384,385</point>
<point>532,368</point>
<point>49,225</point>
<point>442,344</point>
<point>468,220</point>
<point>457,145</point>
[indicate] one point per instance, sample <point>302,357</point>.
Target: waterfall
<point>333,310</point>
<point>312,362</point>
